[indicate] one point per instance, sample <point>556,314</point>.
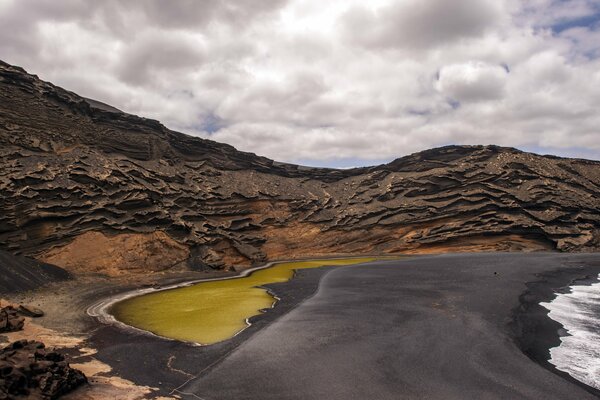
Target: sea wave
<point>579,352</point>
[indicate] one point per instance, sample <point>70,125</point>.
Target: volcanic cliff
<point>92,189</point>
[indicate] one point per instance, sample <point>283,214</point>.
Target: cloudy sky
<point>337,83</point>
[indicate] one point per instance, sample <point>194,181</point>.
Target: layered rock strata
<point>76,174</point>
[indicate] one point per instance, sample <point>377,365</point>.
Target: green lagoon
<point>212,311</point>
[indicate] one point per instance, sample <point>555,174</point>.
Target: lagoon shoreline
<point>176,368</point>
<point>184,360</point>
<point>206,296</point>
<point>427,327</point>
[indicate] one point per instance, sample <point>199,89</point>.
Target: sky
<point>329,83</point>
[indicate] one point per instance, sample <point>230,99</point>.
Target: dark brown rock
<point>30,311</point>
<point>10,320</point>
<point>29,371</point>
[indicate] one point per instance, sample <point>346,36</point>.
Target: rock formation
<point>30,311</point>
<point>10,320</point>
<point>91,188</point>
<point>29,371</point>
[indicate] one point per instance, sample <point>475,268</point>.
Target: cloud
<point>343,80</point>
<point>420,24</point>
<point>558,14</point>
<point>190,14</point>
<point>473,81</point>
<point>154,51</point>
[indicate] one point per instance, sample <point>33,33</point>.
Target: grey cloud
<point>193,14</point>
<point>156,51</point>
<point>32,11</point>
<point>19,21</point>
<point>420,23</point>
<point>276,101</point>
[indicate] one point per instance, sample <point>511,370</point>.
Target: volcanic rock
<point>30,311</point>
<point>90,188</point>
<point>28,370</point>
<point>10,320</point>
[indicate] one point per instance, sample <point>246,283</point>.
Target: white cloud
<point>345,79</point>
<point>473,81</point>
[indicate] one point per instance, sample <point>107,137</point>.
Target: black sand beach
<point>448,326</point>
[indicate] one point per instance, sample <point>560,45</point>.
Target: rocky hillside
<point>89,188</point>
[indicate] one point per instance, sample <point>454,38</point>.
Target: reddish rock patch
<point>118,254</point>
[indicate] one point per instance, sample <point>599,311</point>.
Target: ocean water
<point>579,351</point>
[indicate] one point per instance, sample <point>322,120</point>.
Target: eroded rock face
<point>118,254</point>
<point>73,173</point>
<point>29,371</point>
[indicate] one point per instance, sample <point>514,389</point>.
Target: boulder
<point>29,371</point>
<point>10,320</point>
<point>30,311</point>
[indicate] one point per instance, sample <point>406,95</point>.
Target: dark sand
<point>151,361</point>
<point>436,327</point>
<point>19,274</point>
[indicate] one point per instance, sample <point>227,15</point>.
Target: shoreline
<point>184,359</point>
<point>66,304</point>
<point>534,332</point>
<point>165,364</point>
<point>101,310</point>
<point>404,312</point>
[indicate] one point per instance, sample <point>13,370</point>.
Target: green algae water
<point>212,311</point>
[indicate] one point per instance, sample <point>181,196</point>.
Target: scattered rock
<point>29,371</point>
<point>30,311</point>
<point>10,320</point>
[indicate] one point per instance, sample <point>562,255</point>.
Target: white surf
<point>579,352</point>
